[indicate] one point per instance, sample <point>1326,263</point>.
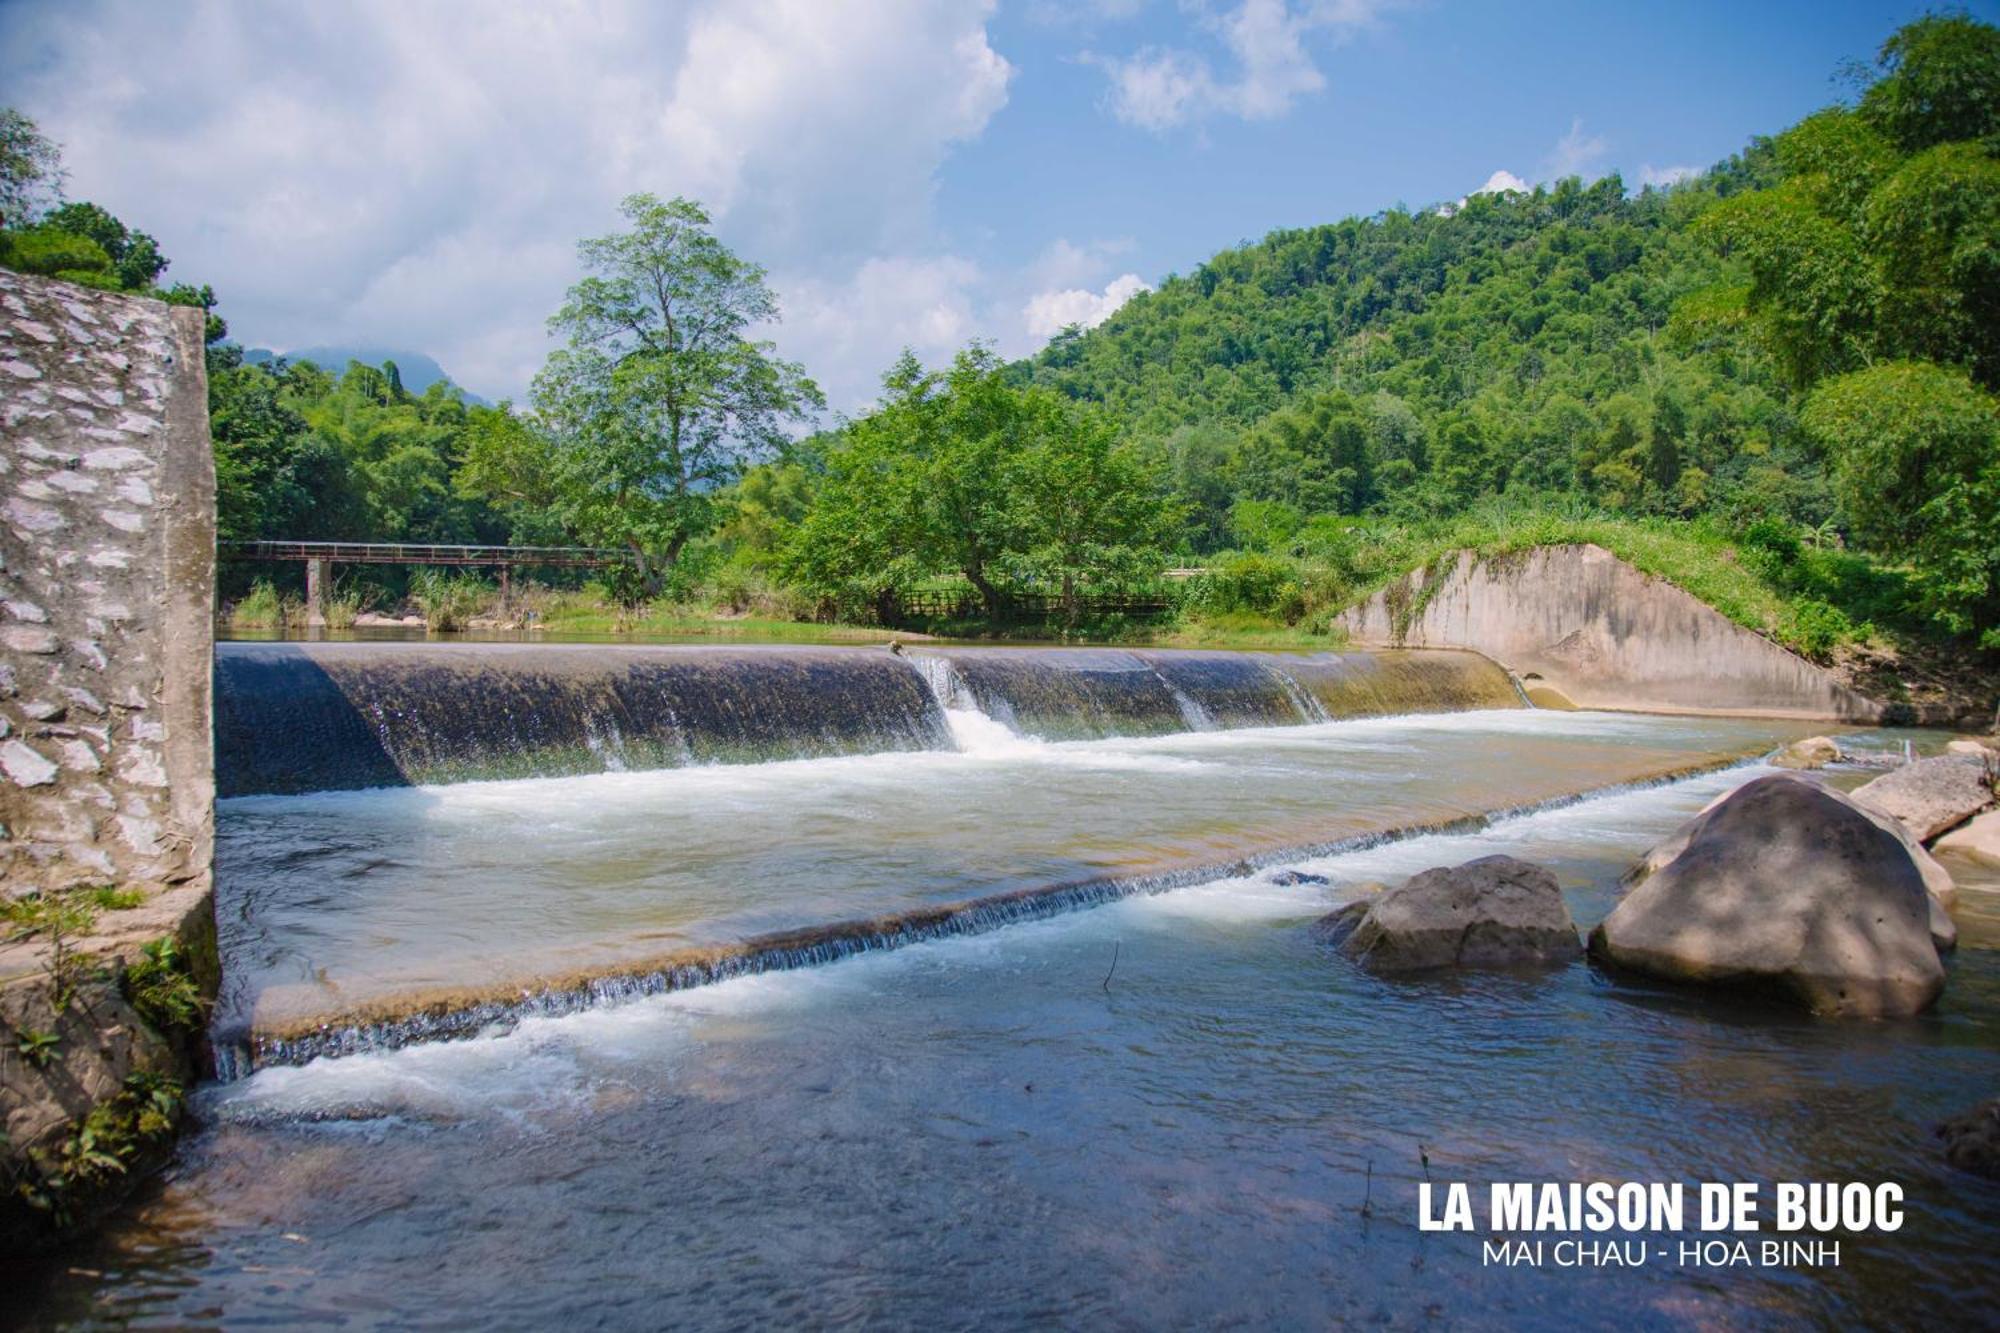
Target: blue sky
<point>912,172</point>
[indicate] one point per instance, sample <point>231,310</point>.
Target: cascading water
<point>973,729</point>
<point>316,717</point>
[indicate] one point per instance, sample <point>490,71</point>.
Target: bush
<point>447,600</point>
<point>260,608</point>
<point>1264,585</point>
<point>1816,628</point>
<point>1775,537</point>
<point>162,987</point>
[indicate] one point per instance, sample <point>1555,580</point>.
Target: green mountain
<point>1415,361</point>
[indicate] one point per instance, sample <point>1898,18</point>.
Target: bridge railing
<point>408,553</point>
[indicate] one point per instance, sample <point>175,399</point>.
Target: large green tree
<point>661,395</point>
<point>968,473</point>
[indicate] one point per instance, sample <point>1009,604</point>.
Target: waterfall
<point>973,729</point>
<point>1310,709</point>
<point>1192,713</point>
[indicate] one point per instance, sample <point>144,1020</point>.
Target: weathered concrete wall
<point>107,575</point>
<point>1603,635</point>
<point>107,585</point>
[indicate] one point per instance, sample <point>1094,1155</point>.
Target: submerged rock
<point>1930,796</point>
<point>1812,752</point>
<point>1493,912</point>
<point>1784,883</point>
<point>1287,878</point>
<point>1972,1141</point>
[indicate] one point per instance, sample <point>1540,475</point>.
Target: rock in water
<point>1937,880</point>
<point>1493,912</point>
<point>1812,752</point>
<point>1972,1141</point>
<point>1287,878</point>
<point>1931,795</point>
<point>1783,883</point>
<point>1978,840</point>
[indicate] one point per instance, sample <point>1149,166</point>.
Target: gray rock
<point>1287,878</point>
<point>1930,796</point>
<point>1937,880</point>
<point>1972,1141</point>
<point>1493,912</point>
<point>1783,883</point>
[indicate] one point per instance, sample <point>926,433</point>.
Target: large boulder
<point>1937,880</point>
<point>1812,752</point>
<point>1972,1141</point>
<point>1930,795</point>
<point>1493,912</point>
<point>1785,884</point>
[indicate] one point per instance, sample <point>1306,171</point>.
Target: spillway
<point>343,716</point>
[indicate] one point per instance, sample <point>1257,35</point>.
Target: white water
<point>548,1063</point>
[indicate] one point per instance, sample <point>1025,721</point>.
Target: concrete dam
<point>299,717</point>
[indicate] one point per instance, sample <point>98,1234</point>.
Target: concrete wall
<point>107,576</point>
<point>1602,635</point>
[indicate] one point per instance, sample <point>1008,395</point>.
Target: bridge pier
<point>319,577</point>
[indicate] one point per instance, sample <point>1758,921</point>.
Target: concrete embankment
<point>1581,627</point>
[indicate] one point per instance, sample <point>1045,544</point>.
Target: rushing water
<point>382,903</point>
<point>1167,1111</point>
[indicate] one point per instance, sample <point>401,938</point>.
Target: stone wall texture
<point>107,575</point>
<point>1603,635</point>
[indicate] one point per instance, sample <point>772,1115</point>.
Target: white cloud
<point>1157,88</point>
<point>1575,154</point>
<point>1501,181</point>
<point>856,325</point>
<point>1049,313</point>
<point>1664,176</point>
<point>417,175</point>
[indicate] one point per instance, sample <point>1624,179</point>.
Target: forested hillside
<point>1411,362</point>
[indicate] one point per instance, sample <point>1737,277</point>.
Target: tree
<point>660,397</point>
<point>1088,508</point>
<point>135,257</point>
<point>1915,450</point>
<point>968,473</point>
<point>1940,82</point>
<point>31,172</point>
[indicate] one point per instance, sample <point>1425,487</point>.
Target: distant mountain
<point>419,372</point>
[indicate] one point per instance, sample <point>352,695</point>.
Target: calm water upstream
<point>1163,1112</point>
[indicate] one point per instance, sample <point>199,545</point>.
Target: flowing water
<point>348,917</point>
<point>1166,1110</point>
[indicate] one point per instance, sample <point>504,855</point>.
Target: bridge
<point>321,557</point>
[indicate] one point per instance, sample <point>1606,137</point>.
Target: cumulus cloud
<point>418,174</point>
<point>1157,88</point>
<point>1049,313</point>
<point>1502,181</point>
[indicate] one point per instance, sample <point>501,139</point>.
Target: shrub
<point>1816,628</point>
<point>447,600</point>
<point>162,988</point>
<point>260,608</point>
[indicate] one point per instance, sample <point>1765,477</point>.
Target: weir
<point>341,716</point>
